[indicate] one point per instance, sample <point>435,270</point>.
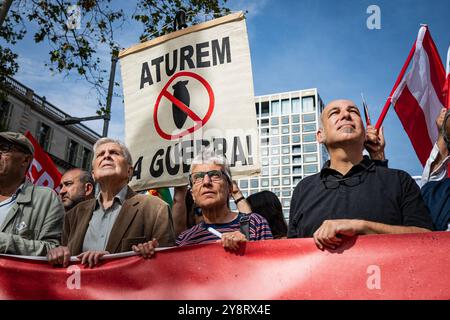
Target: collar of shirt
<point>120,197</point>
<point>13,197</point>
<point>365,165</point>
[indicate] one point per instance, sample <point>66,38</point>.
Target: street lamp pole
<point>107,115</point>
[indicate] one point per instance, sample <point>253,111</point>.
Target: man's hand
<point>328,233</point>
<point>59,256</point>
<point>91,258</point>
<point>146,249</point>
<point>232,240</point>
<point>440,119</point>
<point>375,143</point>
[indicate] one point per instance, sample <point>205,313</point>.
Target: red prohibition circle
<point>198,121</point>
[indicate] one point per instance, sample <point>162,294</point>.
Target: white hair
<point>123,148</point>
<point>209,156</point>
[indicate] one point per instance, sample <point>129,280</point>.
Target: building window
<point>310,158</point>
<point>309,137</point>
<point>284,120</point>
<point>275,151</point>
<point>295,105</point>
<point>297,170</point>
<point>72,151</point>
<point>264,141</point>
<point>286,170</point>
<point>296,128</point>
<point>285,107</point>
<point>275,161</point>
<point>265,131</point>
<point>296,118</point>
<point>265,109</point>
<point>264,151</point>
<point>286,181</point>
<point>264,183</point>
<point>86,159</point>
<point>257,109</point>
<point>254,183</point>
<point>286,193</point>
<point>310,168</point>
<point>275,171</point>
<point>310,147</point>
<point>275,131</point>
<point>284,139</point>
<point>286,202</point>
<point>265,172</point>
<point>286,159</point>
<point>296,180</point>
<point>297,159</point>
<point>264,122</point>
<point>243,184</point>
<point>275,108</point>
<point>308,104</point>
<point>309,127</point>
<point>296,149</point>
<point>285,150</point>
<point>44,136</point>
<point>265,161</point>
<point>274,141</point>
<point>275,182</point>
<point>5,114</point>
<point>274,121</point>
<point>309,117</point>
<point>295,139</point>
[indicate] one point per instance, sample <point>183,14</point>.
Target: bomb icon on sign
<point>181,93</point>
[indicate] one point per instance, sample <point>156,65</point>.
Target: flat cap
<point>19,140</point>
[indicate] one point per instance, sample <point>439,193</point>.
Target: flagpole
<point>400,77</point>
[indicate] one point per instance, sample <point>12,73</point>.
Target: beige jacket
<point>33,226</point>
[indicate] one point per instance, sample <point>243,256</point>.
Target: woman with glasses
<point>211,186</point>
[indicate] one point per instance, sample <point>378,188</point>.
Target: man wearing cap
<point>30,216</point>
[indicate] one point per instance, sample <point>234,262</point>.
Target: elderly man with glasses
<point>211,187</point>
<point>351,195</point>
<point>30,216</point>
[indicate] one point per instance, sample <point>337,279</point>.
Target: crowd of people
<point>98,213</point>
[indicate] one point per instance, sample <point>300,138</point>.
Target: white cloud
<point>253,7</point>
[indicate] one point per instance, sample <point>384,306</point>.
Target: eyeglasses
<point>352,181</point>
<point>5,147</point>
<point>214,175</point>
<point>8,147</point>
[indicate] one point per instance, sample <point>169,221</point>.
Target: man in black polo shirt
<point>351,195</point>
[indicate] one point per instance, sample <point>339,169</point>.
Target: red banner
<point>413,266</point>
<point>43,171</point>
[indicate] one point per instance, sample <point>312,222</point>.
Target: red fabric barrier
<point>368,267</point>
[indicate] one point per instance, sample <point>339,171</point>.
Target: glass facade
<point>289,149</point>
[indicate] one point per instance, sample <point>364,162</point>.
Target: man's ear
<point>320,135</point>
<point>88,189</point>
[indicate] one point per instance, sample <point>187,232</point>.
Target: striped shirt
<point>258,229</point>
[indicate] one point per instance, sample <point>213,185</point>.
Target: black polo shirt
<point>367,192</point>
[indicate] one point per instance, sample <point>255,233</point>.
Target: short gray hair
<point>122,146</point>
<point>210,156</point>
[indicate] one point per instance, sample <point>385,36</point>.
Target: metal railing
<point>46,106</point>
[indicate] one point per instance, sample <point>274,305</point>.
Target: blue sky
<point>294,45</point>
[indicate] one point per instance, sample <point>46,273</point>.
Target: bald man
<point>76,186</point>
<point>351,195</point>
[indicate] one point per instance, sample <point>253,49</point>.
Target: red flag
<point>418,97</point>
<point>43,171</point>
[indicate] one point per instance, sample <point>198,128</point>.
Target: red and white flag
<point>43,171</point>
<point>418,97</point>
<point>446,90</point>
